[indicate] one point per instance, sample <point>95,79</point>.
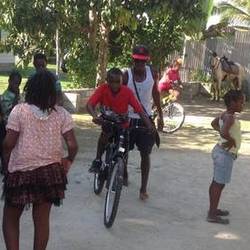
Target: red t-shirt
<point>170,76</point>
<point>165,83</point>
<point>173,74</point>
<point>118,102</point>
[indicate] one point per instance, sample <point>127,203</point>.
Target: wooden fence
<point>236,48</point>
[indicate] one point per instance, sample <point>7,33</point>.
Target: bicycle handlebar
<point>118,124</point>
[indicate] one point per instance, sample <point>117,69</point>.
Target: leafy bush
<point>82,68</point>
<point>201,76</point>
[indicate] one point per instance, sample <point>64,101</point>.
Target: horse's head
<point>214,60</point>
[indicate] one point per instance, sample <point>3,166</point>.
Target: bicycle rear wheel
<point>173,117</point>
<point>113,193</point>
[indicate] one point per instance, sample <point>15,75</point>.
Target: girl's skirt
<point>43,184</point>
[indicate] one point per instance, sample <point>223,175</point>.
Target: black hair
<point>113,72</point>
<point>232,96</point>
<point>214,54</point>
<point>40,56</point>
<point>40,90</point>
<point>14,74</point>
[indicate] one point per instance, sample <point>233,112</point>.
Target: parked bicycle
<point>173,115</point>
<point>112,169</point>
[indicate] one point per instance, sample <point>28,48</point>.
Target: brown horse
<point>222,70</point>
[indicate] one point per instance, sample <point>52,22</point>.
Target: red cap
<point>140,52</point>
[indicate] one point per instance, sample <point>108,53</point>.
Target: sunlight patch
<point>140,222</point>
<point>226,236</point>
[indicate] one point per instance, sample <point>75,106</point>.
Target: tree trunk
<point>57,52</point>
<point>102,61</point>
<point>93,22</point>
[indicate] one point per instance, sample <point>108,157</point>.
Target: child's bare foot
<point>143,196</point>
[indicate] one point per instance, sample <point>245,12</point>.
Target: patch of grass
<point>64,79</point>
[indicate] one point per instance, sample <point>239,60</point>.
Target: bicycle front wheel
<point>113,193</point>
<point>99,180</point>
<point>173,117</point>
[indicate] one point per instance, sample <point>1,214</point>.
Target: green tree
<point>32,26</point>
<point>94,32</point>
<point>161,26</point>
<point>195,27</point>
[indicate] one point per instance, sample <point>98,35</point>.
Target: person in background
<point>40,62</point>
<point>9,99</point>
<point>170,83</point>
<point>11,95</point>
<point>34,162</point>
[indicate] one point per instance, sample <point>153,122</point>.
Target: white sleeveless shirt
<point>144,90</point>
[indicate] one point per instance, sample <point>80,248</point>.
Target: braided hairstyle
<point>40,90</point>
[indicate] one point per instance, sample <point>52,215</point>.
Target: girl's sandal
<point>217,219</point>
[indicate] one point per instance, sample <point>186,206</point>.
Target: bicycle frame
<point>118,147</point>
<point>116,153</point>
<point>112,171</point>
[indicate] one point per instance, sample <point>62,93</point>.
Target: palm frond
<point>235,19</point>
<point>241,28</point>
<point>235,14</point>
<point>238,10</point>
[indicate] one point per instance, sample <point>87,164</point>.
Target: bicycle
<point>112,169</point>
<point>173,115</point>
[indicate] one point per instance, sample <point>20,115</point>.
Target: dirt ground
<point>174,216</point>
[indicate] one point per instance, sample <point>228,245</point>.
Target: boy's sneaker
<point>217,219</point>
<point>95,166</point>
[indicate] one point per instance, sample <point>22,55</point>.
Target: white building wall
<point>6,59</point>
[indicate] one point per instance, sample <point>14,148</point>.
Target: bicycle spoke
<point>173,116</point>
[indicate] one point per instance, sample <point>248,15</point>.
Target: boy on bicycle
<point>114,97</point>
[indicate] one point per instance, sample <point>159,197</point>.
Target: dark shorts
<point>43,184</point>
<point>110,134</point>
<point>139,137</point>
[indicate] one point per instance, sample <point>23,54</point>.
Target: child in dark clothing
<point>11,95</point>
<point>9,99</point>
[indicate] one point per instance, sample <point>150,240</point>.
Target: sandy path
<point>174,216</point>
